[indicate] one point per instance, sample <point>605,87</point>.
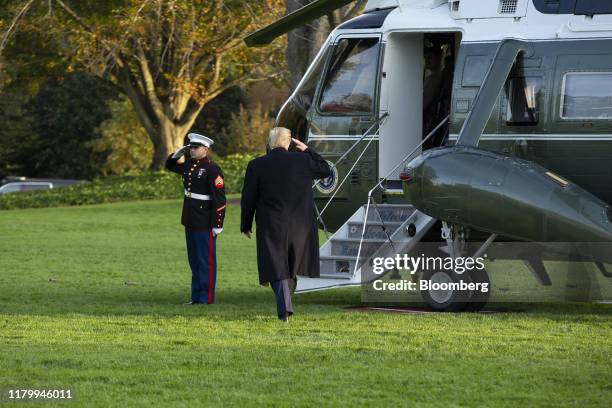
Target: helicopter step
<point>388,230</point>
<point>337,266</point>
<point>350,246</point>
<point>374,230</point>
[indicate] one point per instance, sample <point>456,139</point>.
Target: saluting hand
<point>180,152</point>
<point>299,145</point>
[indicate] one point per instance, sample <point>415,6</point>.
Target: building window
<point>350,83</point>
<point>587,95</point>
<point>524,97</point>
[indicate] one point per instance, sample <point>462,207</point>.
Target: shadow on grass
<point>159,302</point>
<point>237,304</point>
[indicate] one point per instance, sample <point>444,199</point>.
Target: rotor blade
<point>296,19</point>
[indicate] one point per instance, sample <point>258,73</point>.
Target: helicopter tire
<point>478,299</point>
<point>445,300</point>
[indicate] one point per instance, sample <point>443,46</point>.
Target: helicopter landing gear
<point>479,298</point>
<point>440,292</point>
<point>454,290</point>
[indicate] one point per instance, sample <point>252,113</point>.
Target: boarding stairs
<point>389,229</point>
<point>373,231</point>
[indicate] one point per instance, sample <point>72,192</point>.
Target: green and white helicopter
<point>458,121</point>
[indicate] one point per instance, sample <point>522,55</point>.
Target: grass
<point>90,299</point>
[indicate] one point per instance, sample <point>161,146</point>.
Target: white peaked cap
<point>196,139</point>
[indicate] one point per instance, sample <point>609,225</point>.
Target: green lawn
<point>90,299</point>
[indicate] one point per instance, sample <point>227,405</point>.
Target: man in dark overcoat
<point>277,191</point>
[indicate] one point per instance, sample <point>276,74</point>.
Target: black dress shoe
<point>191,303</point>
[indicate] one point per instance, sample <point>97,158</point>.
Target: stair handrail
<point>348,173</point>
<point>363,136</point>
<point>379,184</point>
<point>378,121</point>
<point>409,154</point>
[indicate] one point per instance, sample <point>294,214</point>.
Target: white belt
<point>202,197</point>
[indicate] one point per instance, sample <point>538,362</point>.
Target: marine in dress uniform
<point>277,191</point>
<point>203,213</point>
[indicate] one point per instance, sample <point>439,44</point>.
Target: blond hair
<point>279,137</point>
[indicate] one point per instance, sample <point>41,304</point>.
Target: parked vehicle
<point>16,184</point>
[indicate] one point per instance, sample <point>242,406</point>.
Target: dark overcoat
<point>277,191</point>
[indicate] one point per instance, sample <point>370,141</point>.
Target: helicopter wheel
<point>445,300</point>
<point>478,299</point>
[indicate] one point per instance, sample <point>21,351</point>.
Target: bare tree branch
<point>74,16</point>
<point>147,80</point>
<point>14,23</point>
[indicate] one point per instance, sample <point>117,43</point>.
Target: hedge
<point>128,187</point>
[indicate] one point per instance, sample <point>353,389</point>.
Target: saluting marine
<point>203,213</point>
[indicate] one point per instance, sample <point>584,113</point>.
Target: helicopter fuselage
<point>423,64</point>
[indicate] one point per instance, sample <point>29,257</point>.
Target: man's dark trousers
<point>201,252</point>
<point>282,291</point>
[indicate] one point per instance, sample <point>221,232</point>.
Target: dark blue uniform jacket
<point>206,178</point>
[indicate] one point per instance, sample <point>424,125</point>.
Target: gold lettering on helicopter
<point>557,178</point>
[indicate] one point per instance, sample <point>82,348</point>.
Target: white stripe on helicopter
<point>547,136</point>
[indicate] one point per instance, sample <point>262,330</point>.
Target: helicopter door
<point>345,107</point>
<point>402,98</point>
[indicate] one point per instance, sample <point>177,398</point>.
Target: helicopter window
<point>293,113</point>
<point>293,117</point>
<point>350,83</point>
<point>475,69</point>
<point>587,95</point>
<point>523,95</point>
<point>305,93</point>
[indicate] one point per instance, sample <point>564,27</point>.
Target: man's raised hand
<point>180,151</point>
<point>299,145</point>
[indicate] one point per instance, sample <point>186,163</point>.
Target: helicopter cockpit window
<point>587,95</point>
<point>304,94</point>
<point>293,113</point>
<point>351,80</point>
<point>524,97</point>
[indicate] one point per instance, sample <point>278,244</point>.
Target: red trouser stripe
<point>210,268</point>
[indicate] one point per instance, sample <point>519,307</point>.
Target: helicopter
<point>461,123</point>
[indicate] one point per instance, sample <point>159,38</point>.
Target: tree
<point>124,143</point>
<point>248,130</point>
<point>63,125</point>
<point>48,116</point>
<point>169,57</point>
<point>16,129</point>
<point>303,43</point>
<point>216,117</point>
